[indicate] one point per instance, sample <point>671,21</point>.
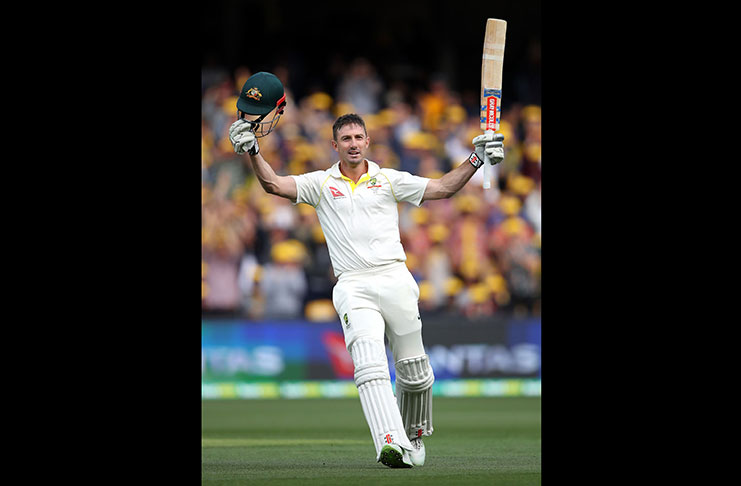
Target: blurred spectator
<point>216,100</point>
<point>531,145</point>
<point>362,87</point>
<point>468,239</point>
<point>246,280</point>
<point>433,104</point>
<point>406,122</point>
<point>522,266</point>
<point>282,283</point>
<point>227,228</point>
<point>221,259</point>
<point>437,267</point>
<point>318,268</point>
<point>532,208</point>
<point>415,238</point>
<point>457,145</point>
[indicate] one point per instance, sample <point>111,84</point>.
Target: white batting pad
<point>376,395</point>
<point>414,379</point>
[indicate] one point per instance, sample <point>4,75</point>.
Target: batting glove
<point>490,145</point>
<point>242,138</point>
<point>247,142</point>
<point>236,129</point>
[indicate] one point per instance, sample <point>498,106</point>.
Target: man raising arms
<point>375,295</point>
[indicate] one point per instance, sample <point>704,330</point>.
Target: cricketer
<point>375,294</point>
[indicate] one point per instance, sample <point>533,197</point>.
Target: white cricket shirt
<point>360,221</point>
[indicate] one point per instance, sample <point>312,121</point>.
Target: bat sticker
<point>491,112</point>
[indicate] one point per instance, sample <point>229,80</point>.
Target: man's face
<point>351,143</point>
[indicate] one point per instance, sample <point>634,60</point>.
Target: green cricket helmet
<point>262,93</point>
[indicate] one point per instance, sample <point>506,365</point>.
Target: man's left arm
<point>444,187</point>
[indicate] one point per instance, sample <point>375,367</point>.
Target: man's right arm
<point>283,186</point>
<point>244,141</point>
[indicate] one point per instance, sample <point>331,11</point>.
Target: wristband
<point>475,160</point>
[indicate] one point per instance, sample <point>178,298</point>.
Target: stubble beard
<point>355,163</point>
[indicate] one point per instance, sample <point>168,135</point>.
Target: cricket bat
<point>492,61</point>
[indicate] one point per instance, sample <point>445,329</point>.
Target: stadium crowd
<point>476,254</point>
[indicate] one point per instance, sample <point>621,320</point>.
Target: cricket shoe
<point>392,455</point>
<point>417,455</point>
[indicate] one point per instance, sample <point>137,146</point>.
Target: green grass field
<point>327,441</point>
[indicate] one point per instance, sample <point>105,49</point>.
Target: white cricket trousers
<point>378,301</point>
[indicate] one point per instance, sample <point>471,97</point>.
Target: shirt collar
<point>373,169</point>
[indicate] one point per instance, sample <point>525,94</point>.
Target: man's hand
<point>491,145</point>
<point>242,138</point>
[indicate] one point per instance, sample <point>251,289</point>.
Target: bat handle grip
<point>487,174</point>
<point>487,169</point>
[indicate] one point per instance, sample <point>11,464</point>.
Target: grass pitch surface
<point>318,441</point>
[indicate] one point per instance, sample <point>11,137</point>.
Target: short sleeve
<point>405,186</point>
<point>309,187</point>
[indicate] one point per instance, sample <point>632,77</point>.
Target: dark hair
<point>348,119</point>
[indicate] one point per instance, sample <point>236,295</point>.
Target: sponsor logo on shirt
<point>336,192</point>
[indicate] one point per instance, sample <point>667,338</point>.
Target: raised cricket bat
<point>492,61</point>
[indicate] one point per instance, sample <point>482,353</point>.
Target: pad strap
<point>414,374</point>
